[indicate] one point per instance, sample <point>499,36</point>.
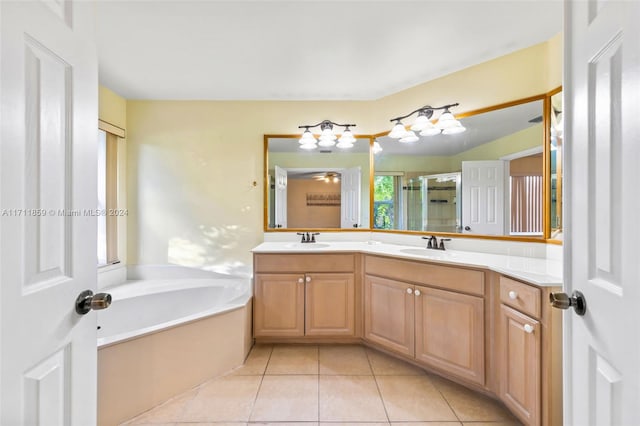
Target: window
<point>387,194</point>
<point>107,198</point>
<point>526,205</point>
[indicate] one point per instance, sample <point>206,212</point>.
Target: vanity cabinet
<point>528,353</point>
<point>520,366</point>
<point>450,332</point>
<point>278,309</point>
<point>440,327</point>
<point>389,314</point>
<point>304,295</point>
<point>493,333</point>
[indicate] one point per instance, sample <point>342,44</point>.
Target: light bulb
<point>308,146</point>
<point>421,122</point>
<point>447,120</point>
<point>344,145</point>
<point>456,127</point>
<point>376,148</point>
<point>430,131</point>
<point>307,137</point>
<point>347,137</point>
<point>335,179</point>
<point>326,142</point>
<point>398,131</point>
<point>409,137</point>
<point>327,131</point>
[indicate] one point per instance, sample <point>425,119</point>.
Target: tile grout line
<point>375,379</point>
<point>264,373</point>
<point>318,382</point>
<point>446,400</point>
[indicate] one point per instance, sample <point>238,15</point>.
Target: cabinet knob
<point>300,280</point>
<point>308,279</point>
<point>513,295</point>
<point>528,328</point>
<point>417,292</point>
<point>409,291</point>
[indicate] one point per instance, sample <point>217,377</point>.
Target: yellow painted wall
<point>191,164</point>
<point>531,137</point>
<point>112,107</point>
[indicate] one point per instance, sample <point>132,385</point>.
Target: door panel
<point>48,154</point>
<point>350,198</point>
<point>278,308</point>
<point>48,144</point>
<point>330,305</point>
<point>450,332</point>
<point>389,314</point>
<point>484,198</point>
<point>520,380</point>
<point>281,197</point>
<point>602,50</point>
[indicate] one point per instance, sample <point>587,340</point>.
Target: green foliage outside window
<point>383,205</point>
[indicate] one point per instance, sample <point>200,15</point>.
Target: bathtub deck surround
<point>169,329</point>
<point>480,319</point>
<point>327,384</point>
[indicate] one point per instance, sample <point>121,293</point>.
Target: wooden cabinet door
<point>389,314</point>
<point>520,364</point>
<point>278,307</point>
<point>329,304</point>
<point>450,332</point>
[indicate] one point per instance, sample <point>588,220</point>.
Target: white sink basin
<point>307,246</point>
<point>436,254</point>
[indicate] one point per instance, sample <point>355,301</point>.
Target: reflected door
<point>484,203</point>
<point>350,198</point>
<point>602,98</point>
<point>280,198</point>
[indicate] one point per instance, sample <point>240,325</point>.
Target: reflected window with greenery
<point>385,202</point>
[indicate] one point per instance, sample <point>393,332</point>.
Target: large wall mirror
<point>501,178</point>
<point>556,135</point>
<point>487,180</point>
<point>324,188</point>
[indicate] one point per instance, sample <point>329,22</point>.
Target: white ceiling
<point>305,49</point>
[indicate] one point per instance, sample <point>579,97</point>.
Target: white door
<point>48,139</point>
<point>484,197</point>
<point>602,98</point>
<point>281,197</point>
<point>350,198</point>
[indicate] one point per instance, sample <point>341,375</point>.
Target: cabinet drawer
<point>282,263</point>
<point>462,280</point>
<point>523,297</point>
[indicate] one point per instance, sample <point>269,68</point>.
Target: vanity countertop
<point>538,271</point>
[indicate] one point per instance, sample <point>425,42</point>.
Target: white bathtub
<point>167,330</point>
<point>145,306</point>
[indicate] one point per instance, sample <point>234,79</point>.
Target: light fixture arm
<point>325,124</point>
<point>427,109</point>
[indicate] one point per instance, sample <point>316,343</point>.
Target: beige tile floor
<point>332,384</point>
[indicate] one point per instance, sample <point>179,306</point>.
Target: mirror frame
<point>265,179</point>
<point>546,193</point>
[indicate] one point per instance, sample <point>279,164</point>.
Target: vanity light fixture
<point>446,124</point>
<point>327,136</point>
<point>377,149</point>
